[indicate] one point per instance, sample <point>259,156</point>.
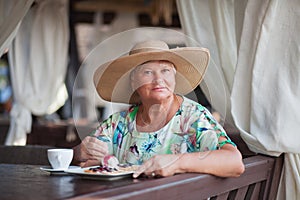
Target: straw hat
<point>112,79</point>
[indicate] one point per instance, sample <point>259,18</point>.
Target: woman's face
<point>154,80</point>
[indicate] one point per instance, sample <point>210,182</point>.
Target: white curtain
<point>203,21</point>
<point>98,34</point>
<point>38,64</point>
<point>256,46</point>
<point>11,14</point>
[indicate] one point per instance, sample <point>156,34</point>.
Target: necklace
<point>147,124</point>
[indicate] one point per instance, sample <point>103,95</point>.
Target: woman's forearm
<point>226,162</point>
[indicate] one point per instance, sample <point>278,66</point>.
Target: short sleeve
<point>209,132</point>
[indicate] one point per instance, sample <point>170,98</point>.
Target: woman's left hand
<point>160,165</point>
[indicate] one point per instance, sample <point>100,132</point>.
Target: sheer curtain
<point>11,14</point>
<point>256,46</point>
<point>101,32</point>
<point>38,64</point>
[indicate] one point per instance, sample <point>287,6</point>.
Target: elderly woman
<point>163,131</point>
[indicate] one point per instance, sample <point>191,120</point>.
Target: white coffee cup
<point>60,158</point>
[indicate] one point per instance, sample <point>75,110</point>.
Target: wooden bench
<point>259,181</point>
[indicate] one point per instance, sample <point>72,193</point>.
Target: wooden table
<point>29,182</point>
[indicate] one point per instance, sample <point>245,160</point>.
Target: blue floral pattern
<point>191,129</point>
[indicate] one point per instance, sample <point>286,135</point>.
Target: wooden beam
<point>114,6</point>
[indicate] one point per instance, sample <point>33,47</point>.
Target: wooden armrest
<point>254,183</point>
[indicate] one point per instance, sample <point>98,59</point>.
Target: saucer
<point>50,169</point>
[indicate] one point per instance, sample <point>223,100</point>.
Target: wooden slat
<point>241,193</point>
<point>232,194</point>
<point>263,189</point>
<point>255,194</point>
<point>273,183</point>
<point>249,191</point>
<point>223,196</point>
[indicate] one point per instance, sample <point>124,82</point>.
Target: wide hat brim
<point>112,79</point>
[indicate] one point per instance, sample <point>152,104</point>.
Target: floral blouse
<point>191,129</point>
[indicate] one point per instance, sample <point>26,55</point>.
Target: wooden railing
<point>259,181</point>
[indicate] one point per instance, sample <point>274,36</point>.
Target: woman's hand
<point>90,152</point>
<point>160,165</point>
<point>226,162</point>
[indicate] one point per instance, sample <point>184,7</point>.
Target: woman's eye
<point>165,70</point>
<point>147,72</point>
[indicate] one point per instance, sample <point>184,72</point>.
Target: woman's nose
<point>158,81</point>
<point>157,78</point>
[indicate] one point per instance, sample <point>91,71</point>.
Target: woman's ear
<point>132,84</point>
<point>132,81</point>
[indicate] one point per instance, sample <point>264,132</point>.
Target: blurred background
<point>59,35</point>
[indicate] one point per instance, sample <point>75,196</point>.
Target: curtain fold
<point>255,45</point>
<point>38,62</point>
<point>203,21</point>
<point>266,94</point>
<point>11,14</point>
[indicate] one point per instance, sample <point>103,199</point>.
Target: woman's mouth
<point>159,88</point>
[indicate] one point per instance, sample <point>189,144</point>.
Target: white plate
<point>99,176</point>
<point>50,169</point>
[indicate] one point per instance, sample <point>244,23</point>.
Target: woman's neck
<point>152,117</point>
